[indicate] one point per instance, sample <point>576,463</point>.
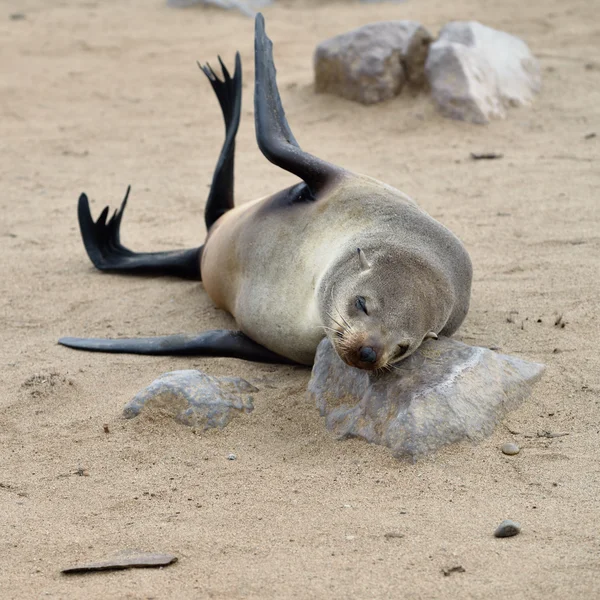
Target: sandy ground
<point>96,95</point>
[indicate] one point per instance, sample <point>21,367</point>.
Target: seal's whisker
<point>337,331</point>
<point>338,310</point>
<point>335,321</point>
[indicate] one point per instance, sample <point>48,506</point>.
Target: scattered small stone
<point>82,472</point>
<point>507,528</point>
<point>105,428</point>
<point>510,448</point>
<point>486,155</point>
<point>124,560</point>
<point>374,62</point>
<point>560,322</point>
<point>390,535</point>
<point>457,569</point>
<point>231,456</point>
<point>476,72</point>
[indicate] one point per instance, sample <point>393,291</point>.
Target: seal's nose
<point>367,354</point>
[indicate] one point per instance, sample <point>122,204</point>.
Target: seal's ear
<point>364,263</point>
<point>273,134</point>
<point>431,335</point>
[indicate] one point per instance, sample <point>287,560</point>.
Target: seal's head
<point>384,306</point>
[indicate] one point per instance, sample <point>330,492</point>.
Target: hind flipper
<point>273,134</point>
<point>219,342</point>
<point>103,245</point>
<point>229,94</point>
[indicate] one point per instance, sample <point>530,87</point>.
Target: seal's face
<point>382,315</point>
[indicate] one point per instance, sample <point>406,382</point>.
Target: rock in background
<point>374,62</point>
<point>247,7</point>
<point>476,72</point>
<point>445,392</point>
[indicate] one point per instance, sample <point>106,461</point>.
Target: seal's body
<point>338,254</point>
<point>280,289</point>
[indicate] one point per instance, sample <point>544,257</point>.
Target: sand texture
<point>96,95</point>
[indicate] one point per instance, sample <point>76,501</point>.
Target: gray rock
<point>443,393</point>
<point>476,72</point>
<point>246,7</point>
<point>507,528</point>
<point>374,62</point>
<point>194,398</point>
<point>510,449</point>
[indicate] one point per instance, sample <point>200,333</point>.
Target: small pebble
<point>507,528</point>
<point>510,448</point>
<point>231,457</point>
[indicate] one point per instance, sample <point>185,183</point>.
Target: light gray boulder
<point>194,398</point>
<point>476,72</point>
<point>445,392</point>
<point>247,7</point>
<point>374,62</point>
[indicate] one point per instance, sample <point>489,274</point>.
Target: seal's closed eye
<point>361,304</point>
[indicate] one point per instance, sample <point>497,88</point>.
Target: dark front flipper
<point>273,134</point>
<point>229,94</point>
<point>103,245</point>
<point>219,342</point>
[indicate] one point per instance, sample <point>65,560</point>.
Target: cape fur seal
<point>338,255</point>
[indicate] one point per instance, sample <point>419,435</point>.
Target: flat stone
<point>445,392</point>
<point>194,398</point>
<point>507,528</point>
<point>476,72</point>
<point>510,449</point>
<point>374,62</point>
<point>127,559</point>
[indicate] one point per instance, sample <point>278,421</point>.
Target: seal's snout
<point>367,354</point>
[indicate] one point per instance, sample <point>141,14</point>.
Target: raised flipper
<point>102,239</point>
<point>273,134</point>
<point>229,94</point>
<point>218,342</point>
<point>103,245</point>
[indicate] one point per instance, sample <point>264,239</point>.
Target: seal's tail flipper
<point>273,134</point>
<point>229,94</point>
<point>219,342</point>
<point>103,245</point>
